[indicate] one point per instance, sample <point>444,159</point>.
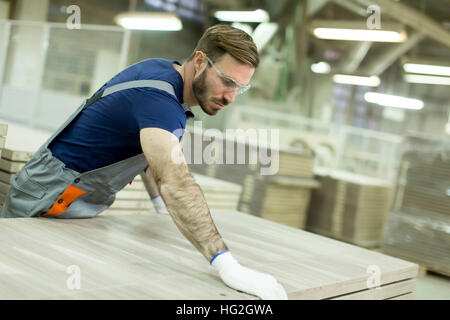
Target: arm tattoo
<point>187,206</point>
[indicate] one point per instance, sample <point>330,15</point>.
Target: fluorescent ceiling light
<point>372,81</point>
<point>359,35</point>
<point>243,26</point>
<point>320,67</point>
<point>263,33</point>
<point>393,101</point>
<point>162,21</point>
<point>427,69</point>
<point>242,16</point>
<point>394,114</point>
<point>418,78</point>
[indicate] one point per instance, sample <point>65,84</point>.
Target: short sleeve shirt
<point>108,130</point>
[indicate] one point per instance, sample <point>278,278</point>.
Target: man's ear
<point>199,61</point>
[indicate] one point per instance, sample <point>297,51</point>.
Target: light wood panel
<point>10,166</point>
<point>16,155</point>
<point>383,292</point>
<point>146,257</point>
<point>408,296</point>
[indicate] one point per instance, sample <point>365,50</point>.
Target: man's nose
<point>230,96</point>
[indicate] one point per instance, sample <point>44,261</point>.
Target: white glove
<point>159,205</point>
<point>243,279</point>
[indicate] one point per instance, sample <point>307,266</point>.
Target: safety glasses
<point>229,82</point>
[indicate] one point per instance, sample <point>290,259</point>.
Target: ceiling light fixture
<point>372,81</point>
<point>427,69</point>
<point>357,31</point>
<point>393,101</point>
<point>258,15</point>
<point>160,21</point>
<point>320,67</point>
<point>359,35</point>
<point>419,78</point>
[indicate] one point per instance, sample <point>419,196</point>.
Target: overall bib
<point>45,187</point>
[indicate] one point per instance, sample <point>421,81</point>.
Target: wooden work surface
<point>146,257</point>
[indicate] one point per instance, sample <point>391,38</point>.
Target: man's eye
<point>228,83</point>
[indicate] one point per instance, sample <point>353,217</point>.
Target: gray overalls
<point>45,187</point>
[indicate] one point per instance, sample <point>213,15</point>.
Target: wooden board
<point>408,296</point>
<point>383,292</point>
<point>4,187</point>
<point>10,166</point>
<point>2,142</point>
<point>5,177</point>
<point>15,155</point>
<point>146,257</point>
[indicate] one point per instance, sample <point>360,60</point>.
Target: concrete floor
<point>432,286</point>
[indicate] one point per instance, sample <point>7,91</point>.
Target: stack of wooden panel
<point>11,161</point>
<point>280,199</point>
<point>146,257</point>
<point>418,227</point>
<point>134,198</point>
<point>350,207</point>
<point>278,191</point>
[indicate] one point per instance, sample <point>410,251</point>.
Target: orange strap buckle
<point>64,201</point>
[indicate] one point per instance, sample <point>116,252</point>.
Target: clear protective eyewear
<point>229,82</point>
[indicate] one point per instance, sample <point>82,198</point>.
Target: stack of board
<point>134,198</point>
<point>146,257</point>
<point>280,199</point>
<point>349,207</point>
<point>11,161</point>
<point>418,227</point>
<point>276,181</point>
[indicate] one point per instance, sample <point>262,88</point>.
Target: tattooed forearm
<point>182,195</point>
<point>189,210</point>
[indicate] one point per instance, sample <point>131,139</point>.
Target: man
<point>132,125</point>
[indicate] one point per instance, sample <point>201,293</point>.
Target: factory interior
<point>340,184</point>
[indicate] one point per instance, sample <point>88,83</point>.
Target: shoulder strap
<point>158,84</point>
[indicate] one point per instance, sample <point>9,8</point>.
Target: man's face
<point>209,89</point>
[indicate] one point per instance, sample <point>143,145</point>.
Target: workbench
<point>146,257</point>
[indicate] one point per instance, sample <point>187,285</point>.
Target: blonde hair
<point>222,38</point>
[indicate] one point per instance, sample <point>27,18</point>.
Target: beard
<point>200,89</point>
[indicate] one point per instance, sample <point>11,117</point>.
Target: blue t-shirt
<point>108,130</point>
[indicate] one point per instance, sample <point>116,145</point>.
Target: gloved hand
<point>243,279</point>
<point>159,205</point>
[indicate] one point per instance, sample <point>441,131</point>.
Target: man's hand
<point>244,279</point>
